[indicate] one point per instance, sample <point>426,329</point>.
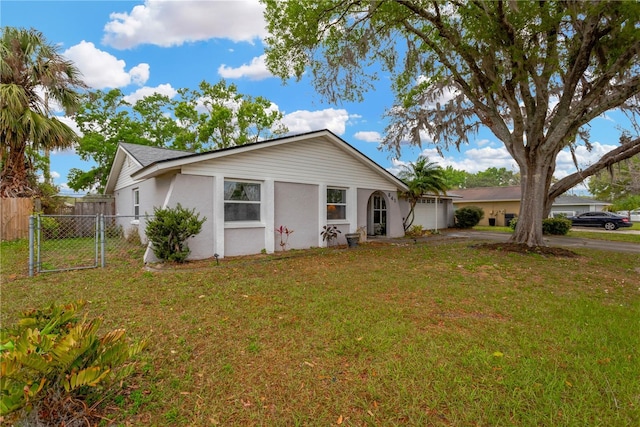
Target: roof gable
<point>153,161</point>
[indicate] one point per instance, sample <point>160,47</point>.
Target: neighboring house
<point>501,204</point>
<point>303,182</point>
<point>574,205</point>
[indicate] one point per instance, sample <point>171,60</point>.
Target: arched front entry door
<point>377,215</point>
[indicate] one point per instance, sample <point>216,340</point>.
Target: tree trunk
<point>13,177</point>
<point>535,181</point>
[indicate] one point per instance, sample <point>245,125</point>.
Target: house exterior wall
<point>296,207</point>
<point>305,162</point>
<point>294,178</point>
<point>499,208</point>
<point>129,166</point>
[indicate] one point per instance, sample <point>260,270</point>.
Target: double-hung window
<point>241,201</point>
<point>336,203</point>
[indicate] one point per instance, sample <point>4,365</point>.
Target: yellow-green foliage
<point>53,349</point>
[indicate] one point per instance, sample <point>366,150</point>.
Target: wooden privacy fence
<point>14,217</point>
<point>14,213</point>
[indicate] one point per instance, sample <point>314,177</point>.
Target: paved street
<point>561,241</point>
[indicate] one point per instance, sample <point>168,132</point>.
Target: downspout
<point>436,213</point>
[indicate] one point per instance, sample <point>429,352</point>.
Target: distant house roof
<point>513,193</point>
<point>488,194</point>
<point>577,200</point>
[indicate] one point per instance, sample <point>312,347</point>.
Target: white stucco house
<point>302,182</point>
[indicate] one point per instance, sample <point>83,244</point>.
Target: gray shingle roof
<point>146,155</point>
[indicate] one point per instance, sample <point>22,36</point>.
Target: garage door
<point>427,211</point>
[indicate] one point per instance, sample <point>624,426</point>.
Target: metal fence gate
<point>73,242</point>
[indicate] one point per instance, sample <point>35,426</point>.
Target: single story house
<point>302,182</point>
<point>501,204</point>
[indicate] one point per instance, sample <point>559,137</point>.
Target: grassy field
<point>437,333</point>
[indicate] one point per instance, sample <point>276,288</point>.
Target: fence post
<point>102,241</point>
<point>31,246</point>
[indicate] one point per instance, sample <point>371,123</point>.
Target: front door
<point>379,215</point>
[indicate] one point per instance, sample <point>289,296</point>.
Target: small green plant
<point>52,361</point>
<point>284,234</point>
<point>169,230</point>
<point>468,216</point>
<point>329,233</point>
<point>415,231</point>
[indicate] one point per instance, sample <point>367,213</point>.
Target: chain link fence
<point>71,242</point>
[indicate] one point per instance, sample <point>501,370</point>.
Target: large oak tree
<point>535,73</point>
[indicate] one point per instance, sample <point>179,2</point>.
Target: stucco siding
<point>243,241</point>
<point>296,207</point>
<point>195,192</point>
<point>306,162</point>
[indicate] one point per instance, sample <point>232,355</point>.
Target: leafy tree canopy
<point>534,73</point>
<point>210,117</point>
<point>617,182</point>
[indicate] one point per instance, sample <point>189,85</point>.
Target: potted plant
<point>352,239</point>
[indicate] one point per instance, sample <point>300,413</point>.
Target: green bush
<point>513,223</point>
<point>169,230</point>
<point>556,226</point>
<point>52,361</point>
<point>468,217</point>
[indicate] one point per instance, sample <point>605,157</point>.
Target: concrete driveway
<point>561,241</point>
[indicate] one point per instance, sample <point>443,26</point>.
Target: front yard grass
<point>434,333</point>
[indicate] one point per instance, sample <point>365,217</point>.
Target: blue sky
<point>151,46</point>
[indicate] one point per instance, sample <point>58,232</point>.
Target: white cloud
<point>173,23</point>
<point>139,74</point>
<point>102,70</point>
<point>164,89</point>
<point>564,161</point>
<point>306,121</point>
<point>368,136</point>
<point>256,70</point>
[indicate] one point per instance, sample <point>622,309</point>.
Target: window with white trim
<point>336,203</point>
<point>136,203</point>
<point>241,201</point>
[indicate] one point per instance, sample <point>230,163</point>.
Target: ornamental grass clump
<point>53,362</point>
<point>169,230</point>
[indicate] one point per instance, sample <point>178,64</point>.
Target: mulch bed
<point>527,250</point>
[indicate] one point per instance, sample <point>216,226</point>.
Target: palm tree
<point>33,75</point>
<point>422,177</point>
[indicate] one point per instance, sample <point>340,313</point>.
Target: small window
<point>336,203</point>
<point>241,201</point>
<point>136,203</point>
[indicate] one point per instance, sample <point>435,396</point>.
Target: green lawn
<point>438,334</point>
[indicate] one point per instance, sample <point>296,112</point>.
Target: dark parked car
<point>608,220</point>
